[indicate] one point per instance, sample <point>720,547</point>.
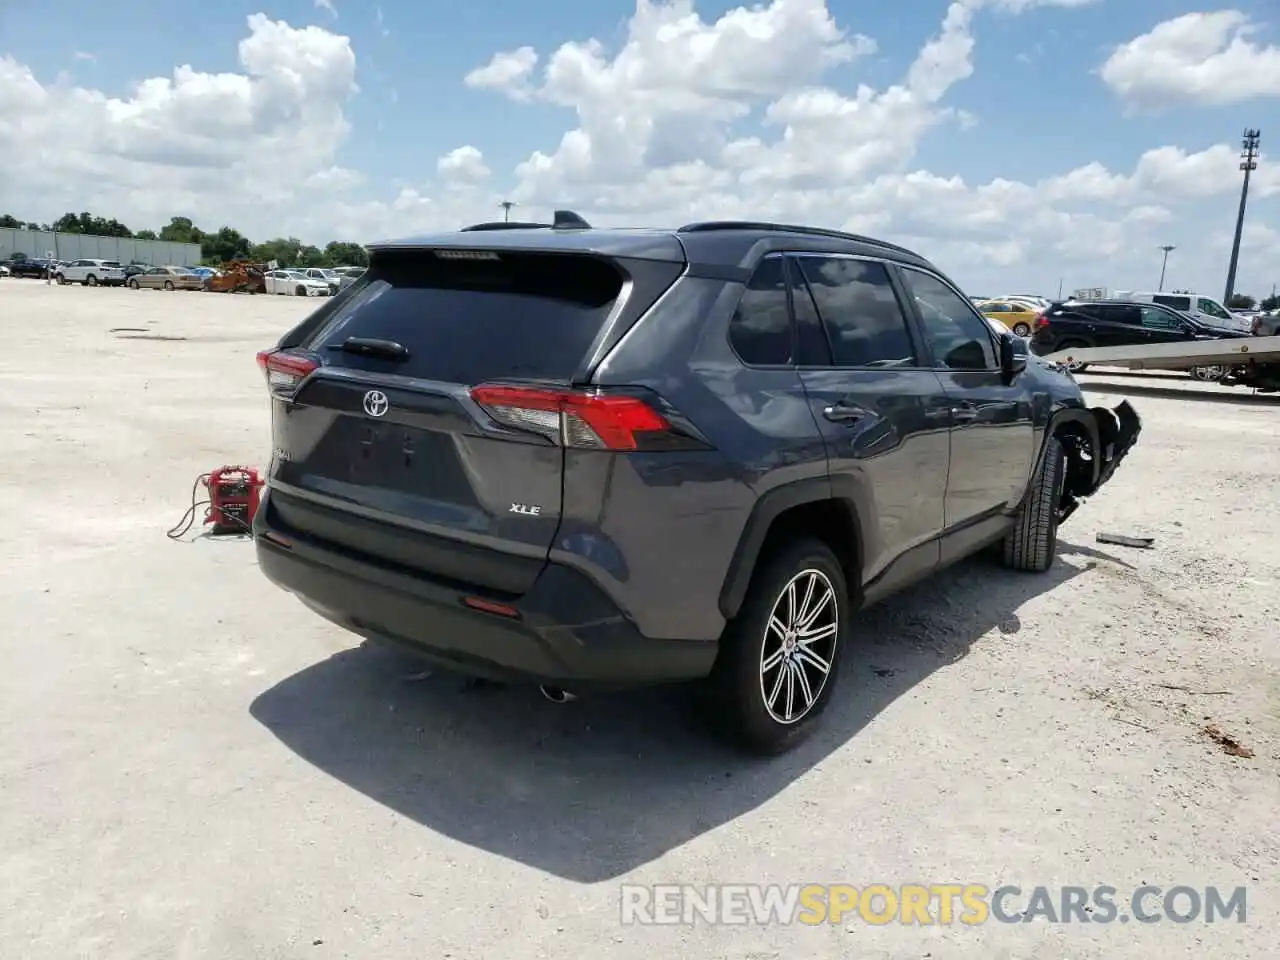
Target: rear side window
<point>508,316</point>
<point>1178,303</point>
<point>860,312</point>
<point>1130,316</point>
<point>760,331</point>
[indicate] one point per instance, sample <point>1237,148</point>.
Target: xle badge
<point>526,509</point>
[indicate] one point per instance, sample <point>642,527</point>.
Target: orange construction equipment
<point>239,276</point>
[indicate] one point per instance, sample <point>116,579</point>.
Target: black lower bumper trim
<point>596,648</point>
<point>1118,431</point>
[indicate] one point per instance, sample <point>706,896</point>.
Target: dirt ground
<point>195,766</point>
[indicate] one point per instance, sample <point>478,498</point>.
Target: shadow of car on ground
<point>590,790</point>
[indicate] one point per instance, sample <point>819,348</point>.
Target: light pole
<point>1168,248</point>
<point>506,206</point>
<point>1248,163</point>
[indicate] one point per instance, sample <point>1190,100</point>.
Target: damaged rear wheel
<point>1033,541</point>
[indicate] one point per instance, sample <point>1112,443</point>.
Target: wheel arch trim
<point>843,489</point>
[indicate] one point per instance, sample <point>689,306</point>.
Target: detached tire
<point>1033,542</point>
<point>780,655</point>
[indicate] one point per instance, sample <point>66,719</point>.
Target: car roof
<point>1113,302</point>
<point>717,242</point>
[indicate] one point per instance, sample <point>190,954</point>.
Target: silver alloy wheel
<point>799,646</point>
<point>1209,374</point>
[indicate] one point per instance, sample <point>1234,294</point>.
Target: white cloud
<point>685,118</point>
<point>507,72</point>
<point>1204,58</point>
<point>463,165</point>
<point>328,7</point>
<point>84,55</point>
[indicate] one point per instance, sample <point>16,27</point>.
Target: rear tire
<point>168,284</point>
<point>133,285</point>
<point>1033,542</point>
<point>1021,330</point>
<point>780,655</point>
<point>91,280</point>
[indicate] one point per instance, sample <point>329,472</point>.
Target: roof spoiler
<point>562,220</point>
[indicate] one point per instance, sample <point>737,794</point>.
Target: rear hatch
<point>422,415</point>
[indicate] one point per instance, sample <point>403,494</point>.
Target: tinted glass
<point>813,349</point>
<point>1178,303</point>
<point>760,331</point>
<point>859,311</point>
<point>1114,313</point>
<point>957,337</point>
<point>523,316</point>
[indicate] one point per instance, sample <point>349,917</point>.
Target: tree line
<point>227,243</point>
<point>216,247</point>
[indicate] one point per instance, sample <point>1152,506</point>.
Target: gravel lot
<point>195,766</point>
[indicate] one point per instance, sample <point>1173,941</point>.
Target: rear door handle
<point>964,414</point>
<point>840,413</point>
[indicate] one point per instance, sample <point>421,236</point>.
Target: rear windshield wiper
<point>372,347</point>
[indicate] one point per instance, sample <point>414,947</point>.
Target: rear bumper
<point>568,634</point>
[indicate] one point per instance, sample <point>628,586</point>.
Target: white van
<point>1206,310</point>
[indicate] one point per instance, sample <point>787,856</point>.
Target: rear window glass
<point>520,316</point>
<point>1178,303</point>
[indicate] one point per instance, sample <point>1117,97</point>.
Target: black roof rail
<point>507,225</point>
<point>707,226</point>
<point>568,220</point>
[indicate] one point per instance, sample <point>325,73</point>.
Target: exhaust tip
<point>556,695</point>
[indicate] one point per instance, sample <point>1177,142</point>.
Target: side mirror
<point>1013,356</point>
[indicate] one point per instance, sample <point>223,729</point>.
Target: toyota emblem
<point>376,403</point>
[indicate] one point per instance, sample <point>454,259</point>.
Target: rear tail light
<point>1042,321</point>
<point>284,371</point>
<point>584,419</point>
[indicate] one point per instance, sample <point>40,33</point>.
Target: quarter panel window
<point>860,312</point>
<point>957,336</point>
<point>760,331</point>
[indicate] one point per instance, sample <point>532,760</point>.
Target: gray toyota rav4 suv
<point>592,458</point>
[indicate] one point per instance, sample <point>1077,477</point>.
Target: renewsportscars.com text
<point>926,904</point>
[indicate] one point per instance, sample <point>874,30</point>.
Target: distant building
<point>75,246</point>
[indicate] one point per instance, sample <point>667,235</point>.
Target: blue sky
<point>412,106</point>
<point>1040,106</point>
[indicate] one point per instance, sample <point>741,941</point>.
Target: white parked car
<point>295,283</point>
<point>92,273</point>
<point>326,276</point>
